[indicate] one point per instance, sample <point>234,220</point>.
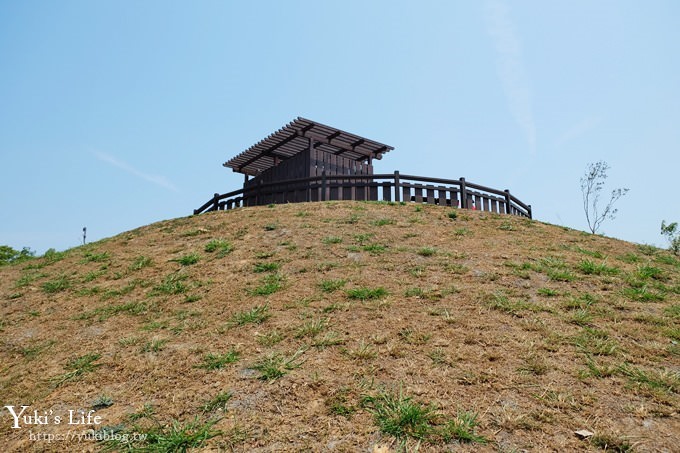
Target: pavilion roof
<point>294,137</point>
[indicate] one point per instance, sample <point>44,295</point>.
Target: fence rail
<point>386,187</point>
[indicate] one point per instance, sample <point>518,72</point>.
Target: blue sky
<point>116,114</point>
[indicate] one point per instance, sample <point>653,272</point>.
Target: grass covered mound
<point>344,326</point>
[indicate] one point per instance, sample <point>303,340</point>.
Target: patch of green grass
<point>154,345</point>
<point>646,272</point>
<point>147,411</point>
<point>597,370</point>
<point>667,380</point>
<point>193,233</point>
<point>596,342</point>
<point>672,311</point>
<point>92,257</point>
<point>506,226</point>
<point>188,260</point>
<point>219,361</point>
<point>438,356</point>
<point>427,251</point>
<point>140,262</point>
<point>363,351</point>
<point>270,338</point>
<point>256,315</point>
<point>374,249</point>
<point>648,250</point>
<point>594,253</point>
<point>311,328</point>
<point>630,258</point>
<point>643,294</point>
<point>269,284</point>
<point>329,339</point>
<point>456,268</point>
<point>266,267</point>
<point>94,290</point>
<point>76,368</point>
<point>175,437</point>
<point>127,289</point>
<point>401,417</point>
<point>609,442</point>
<point>128,341</point>
<point>365,293</point>
<point>61,283</point>
<point>156,325</point>
<point>462,428</point>
<point>668,260</point>
<point>331,240</point>
<point>275,366</point>
<point>171,284</point>
<point>582,302</point>
<point>412,337</point>
<point>28,278</point>
<point>499,301</point>
<point>560,275</point>
<point>338,404</point>
<point>31,352</point>
<point>453,215</point>
<point>270,227</point>
<point>219,402</point>
<point>363,238</point>
<point>352,220</point>
<point>588,267</point>
<point>92,275</point>
<point>221,246</point>
<point>581,317</point>
<point>547,292</point>
<point>104,313</point>
<point>383,222</point>
<point>50,257</point>
<point>460,232</point>
<point>414,292</point>
<point>534,364</point>
<point>332,285</point>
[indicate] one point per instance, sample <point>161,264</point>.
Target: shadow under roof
<point>295,137</point>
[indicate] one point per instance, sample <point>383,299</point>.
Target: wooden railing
<point>386,187</point>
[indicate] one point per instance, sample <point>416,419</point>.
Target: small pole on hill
<point>84,235</point>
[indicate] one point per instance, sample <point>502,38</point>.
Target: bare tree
<point>591,187</point>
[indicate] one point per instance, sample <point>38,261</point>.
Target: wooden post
<point>508,206</point>
<point>396,186</point>
<point>216,202</point>
<point>257,192</point>
<point>323,185</point>
<point>529,212</point>
<point>463,194</point>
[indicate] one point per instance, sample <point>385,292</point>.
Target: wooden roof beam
<point>342,147</point>
<point>270,151</point>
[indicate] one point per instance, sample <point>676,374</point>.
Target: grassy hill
<point>346,327</point>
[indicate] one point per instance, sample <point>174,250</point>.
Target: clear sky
<point>116,114</point>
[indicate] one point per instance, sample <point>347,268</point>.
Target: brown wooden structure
<point>309,161</point>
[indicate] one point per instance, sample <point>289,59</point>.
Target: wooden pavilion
<point>309,161</point>
<point>305,149</point>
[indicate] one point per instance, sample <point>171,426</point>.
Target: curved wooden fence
<point>383,187</point>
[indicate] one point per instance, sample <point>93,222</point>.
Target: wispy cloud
<point>511,68</point>
<point>578,129</point>
<point>155,179</point>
